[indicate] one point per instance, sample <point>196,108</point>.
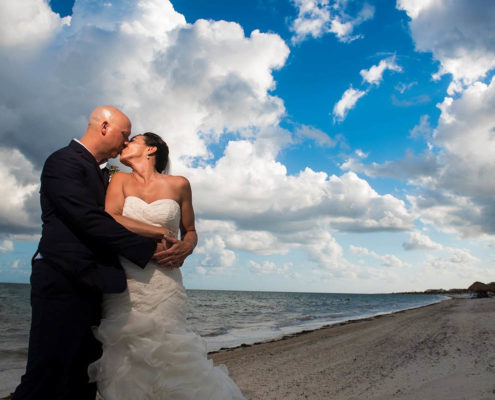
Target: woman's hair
<point>161,153</point>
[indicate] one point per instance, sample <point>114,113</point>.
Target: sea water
<point>222,318</point>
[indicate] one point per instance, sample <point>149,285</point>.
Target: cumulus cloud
<point>268,267</point>
<point>347,103</point>
<point>28,24</point>
<point>386,260</point>
<point>215,255</point>
<point>459,196</point>
<point>453,176</point>
<point>250,201</point>
<point>420,241</point>
<point>248,186</point>
<point>460,263</point>
<point>318,17</point>
<point>20,185</point>
<point>6,246</point>
<point>459,33</point>
<point>374,75</point>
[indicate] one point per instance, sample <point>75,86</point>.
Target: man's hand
<point>176,251</point>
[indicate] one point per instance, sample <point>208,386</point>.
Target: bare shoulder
<point>179,182</point>
<point>179,185</point>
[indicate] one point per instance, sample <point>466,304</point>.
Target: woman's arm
<point>114,205</point>
<point>187,229</point>
<point>181,249</point>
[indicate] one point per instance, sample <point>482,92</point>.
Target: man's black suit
<point>79,249</point>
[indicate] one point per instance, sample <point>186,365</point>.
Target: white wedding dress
<point>148,350</point>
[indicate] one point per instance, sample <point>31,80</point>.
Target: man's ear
<point>104,126</point>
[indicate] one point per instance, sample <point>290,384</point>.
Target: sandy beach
<point>441,351</point>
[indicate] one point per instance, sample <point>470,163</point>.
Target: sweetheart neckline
<point>144,201</point>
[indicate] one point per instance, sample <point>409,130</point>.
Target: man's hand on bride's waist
<point>172,252</point>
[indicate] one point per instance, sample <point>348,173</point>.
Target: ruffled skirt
<point>148,350</point>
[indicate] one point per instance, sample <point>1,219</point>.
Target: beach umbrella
<point>479,287</point>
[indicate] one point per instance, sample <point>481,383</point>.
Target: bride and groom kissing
<point>108,304</point>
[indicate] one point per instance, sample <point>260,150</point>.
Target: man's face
<point>117,134</point>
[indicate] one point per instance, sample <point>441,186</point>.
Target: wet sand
<point>441,351</point>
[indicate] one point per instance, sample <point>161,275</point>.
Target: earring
<point>148,156</point>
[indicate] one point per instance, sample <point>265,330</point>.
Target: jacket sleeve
<point>64,182</point>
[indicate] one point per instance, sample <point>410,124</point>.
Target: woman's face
<point>136,148</point>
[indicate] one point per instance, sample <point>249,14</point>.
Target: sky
<point>331,146</point>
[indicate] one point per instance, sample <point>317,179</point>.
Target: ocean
<point>222,318</point>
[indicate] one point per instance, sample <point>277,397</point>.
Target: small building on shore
<point>479,289</point>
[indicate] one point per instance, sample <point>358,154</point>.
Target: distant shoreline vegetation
<point>438,291</point>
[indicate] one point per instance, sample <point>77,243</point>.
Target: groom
<point>77,261</point>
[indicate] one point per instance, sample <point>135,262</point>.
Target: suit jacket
<point>78,235</point>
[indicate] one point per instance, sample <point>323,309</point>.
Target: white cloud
<point>386,260</point>
<point>27,24</point>
<point>459,33</point>
<point>420,241</point>
<point>319,17</point>
<point>360,251</point>
<point>347,103</point>
<point>459,262</point>
<point>268,267</point>
<point>374,74</point>
<point>459,196</point>
<point>6,246</point>
<point>259,242</point>
<point>248,199</point>
<point>19,205</point>
<point>249,187</point>
<point>214,254</point>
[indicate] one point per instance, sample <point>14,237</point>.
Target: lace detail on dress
<point>148,350</point>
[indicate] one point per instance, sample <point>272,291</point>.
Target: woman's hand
<point>175,253</point>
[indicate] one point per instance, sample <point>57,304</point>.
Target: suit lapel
<point>86,155</point>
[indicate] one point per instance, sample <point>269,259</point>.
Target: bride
<point>148,350</point>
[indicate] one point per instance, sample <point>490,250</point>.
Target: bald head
<point>108,131</point>
<point>105,113</point>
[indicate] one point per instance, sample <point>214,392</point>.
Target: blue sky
<point>335,146</point>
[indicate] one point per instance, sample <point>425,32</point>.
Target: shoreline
<point>325,326</point>
<point>441,351</point>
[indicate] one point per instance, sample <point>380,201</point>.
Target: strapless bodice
<point>162,212</point>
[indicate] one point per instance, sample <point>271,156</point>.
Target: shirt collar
<point>103,164</point>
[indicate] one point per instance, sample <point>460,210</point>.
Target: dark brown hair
<point>161,153</point>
